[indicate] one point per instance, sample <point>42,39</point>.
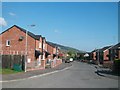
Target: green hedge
<point>108,64</point>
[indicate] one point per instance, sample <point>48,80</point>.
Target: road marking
<point>45,74</point>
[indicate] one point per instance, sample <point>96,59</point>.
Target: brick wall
<point>39,44</point>
<point>54,50</point>
<point>49,48</point>
<point>94,55</point>
<point>16,46</point>
<point>105,53</point>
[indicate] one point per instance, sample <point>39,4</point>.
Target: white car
<point>71,59</point>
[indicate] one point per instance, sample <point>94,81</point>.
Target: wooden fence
<point>8,61</point>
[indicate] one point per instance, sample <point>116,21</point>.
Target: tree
<point>71,53</point>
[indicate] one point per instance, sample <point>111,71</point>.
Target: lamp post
<point>26,52</point>
<point>118,52</point>
<point>26,46</point>
<point>98,58</point>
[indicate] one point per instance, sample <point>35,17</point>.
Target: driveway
<point>79,75</point>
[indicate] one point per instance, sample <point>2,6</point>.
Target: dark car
<point>91,62</point>
<point>67,61</point>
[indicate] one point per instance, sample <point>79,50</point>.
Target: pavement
<point>106,72</point>
<point>79,75</point>
<point>23,75</point>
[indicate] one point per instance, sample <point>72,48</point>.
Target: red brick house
<point>53,56</point>
<point>111,54</point>
<point>114,52</point>
<point>18,41</point>
<point>106,54</point>
<point>103,54</point>
<point>94,55</point>
<point>100,55</point>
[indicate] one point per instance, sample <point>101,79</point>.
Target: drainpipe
<point>42,49</point>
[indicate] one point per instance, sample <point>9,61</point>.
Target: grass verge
<point>8,71</point>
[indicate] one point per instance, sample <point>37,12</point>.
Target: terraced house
<point>18,41</point>
<point>106,54</point>
<point>53,56</point>
<point>94,55</point>
<point>114,52</point>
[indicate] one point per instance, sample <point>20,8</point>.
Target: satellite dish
<point>21,38</point>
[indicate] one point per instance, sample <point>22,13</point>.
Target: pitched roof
<point>36,37</point>
<point>43,37</point>
<point>116,46</point>
<point>104,48</point>
<point>50,44</point>
<point>101,49</point>
<point>95,50</point>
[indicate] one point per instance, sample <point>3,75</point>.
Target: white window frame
<point>7,42</point>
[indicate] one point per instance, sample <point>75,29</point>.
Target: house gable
<point>36,37</point>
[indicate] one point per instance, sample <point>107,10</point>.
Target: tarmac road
<point>79,75</point>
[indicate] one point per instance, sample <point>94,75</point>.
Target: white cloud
<point>3,22</point>
<point>12,14</point>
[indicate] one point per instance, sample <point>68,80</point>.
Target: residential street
<point>79,75</point>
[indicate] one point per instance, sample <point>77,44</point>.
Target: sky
<point>82,25</point>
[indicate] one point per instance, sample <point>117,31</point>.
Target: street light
<point>98,58</point>
<point>26,52</point>
<point>32,25</point>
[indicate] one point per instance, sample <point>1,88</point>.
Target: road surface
<point>79,75</point>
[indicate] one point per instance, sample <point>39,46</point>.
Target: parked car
<point>91,62</point>
<point>67,61</point>
<point>82,60</point>
<point>71,59</point>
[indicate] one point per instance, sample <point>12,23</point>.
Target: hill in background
<point>66,48</point>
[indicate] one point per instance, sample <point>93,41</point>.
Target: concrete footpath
<point>106,72</point>
<point>28,74</point>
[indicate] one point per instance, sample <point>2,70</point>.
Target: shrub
<point>116,65</point>
<point>108,64</point>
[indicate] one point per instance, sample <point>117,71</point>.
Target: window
<point>8,43</point>
<point>40,45</point>
<point>43,46</point>
<point>39,61</point>
<point>43,57</point>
